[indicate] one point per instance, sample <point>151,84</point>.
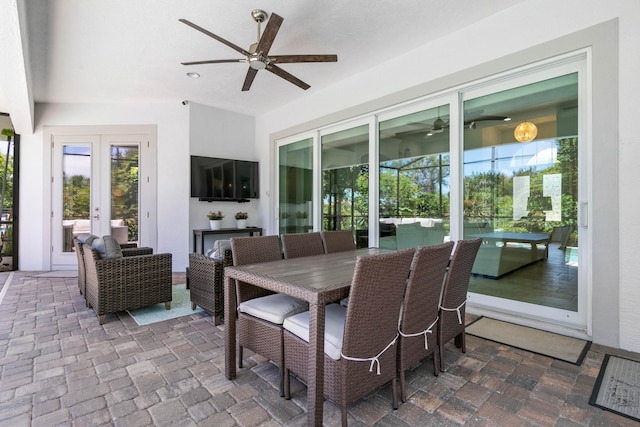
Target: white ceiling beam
<point>16,97</point>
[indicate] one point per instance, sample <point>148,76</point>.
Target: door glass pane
<point>7,197</point>
<point>414,179</point>
<point>296,187</point>
<point>521,192</point>
<point>76,193</point>
<point>345,182</point>
<point>124,193</point>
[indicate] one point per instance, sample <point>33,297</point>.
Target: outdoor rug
<point>180,306</point>
<point>560,347</point>
<point>617,388</point>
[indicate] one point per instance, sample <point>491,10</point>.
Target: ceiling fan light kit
<point>525,132</point>
<point>258,54</point>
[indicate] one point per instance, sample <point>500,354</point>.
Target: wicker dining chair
<point>302,244</point>
<point>359,343</point>
<point>454,296</point>
<point>338,241</point>
<point>126,283</point>
<point>419,317</point>
<point>260,311</point>
<point>206,283</point>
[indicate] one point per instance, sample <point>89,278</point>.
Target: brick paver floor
<point>60,367</point>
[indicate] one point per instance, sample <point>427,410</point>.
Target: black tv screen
<point>213,178</point>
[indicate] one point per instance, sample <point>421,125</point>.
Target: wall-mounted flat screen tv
<point>213,178</point>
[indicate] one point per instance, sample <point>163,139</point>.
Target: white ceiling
<point>119,51</point>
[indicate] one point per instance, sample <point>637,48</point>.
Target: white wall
<point>218,133</point>
<point>173,173</point>
<point>490,45</point>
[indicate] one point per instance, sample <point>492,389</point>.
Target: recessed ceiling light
<point>507,119</point>
<point>193,75</point>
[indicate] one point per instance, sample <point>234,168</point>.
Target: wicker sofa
<point>126,283</point>
<point>206,283</point>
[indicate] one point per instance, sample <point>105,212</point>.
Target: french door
<point>98,188</point>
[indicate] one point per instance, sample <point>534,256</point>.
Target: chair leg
<point>343,411</point>
<point>239,356</point>
<point>435,363</point>
<point>394,393</point>
<point>441,352</point>
<point>281,372</point>
<point>403,389</point>
<point>216,320</point>
<point>463,341</point>
<point>101,319</point>
<point>287,384</point>
<point>193,306</point>
<point>167,305</point>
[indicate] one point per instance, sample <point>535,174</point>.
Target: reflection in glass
<point>414,179</point>
<point>296,187</point>
<point>528,190</point>
<point>124,193</point>
<point>76,193</point>
<point>345,182</point>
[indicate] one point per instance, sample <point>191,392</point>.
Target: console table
<point>201,233</point>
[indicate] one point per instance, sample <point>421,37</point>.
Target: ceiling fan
<point>258,56</point>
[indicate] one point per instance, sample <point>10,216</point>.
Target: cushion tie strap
<point>374,359</point>
<point>457,309</point>
<point>425,332</point>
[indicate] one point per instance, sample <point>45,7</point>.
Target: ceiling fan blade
<point>251,74</point>
<point>284,59</point>
<point>214,61</point>
<point>269,34</point>
<point>288,77</point>
<point>220,39</point>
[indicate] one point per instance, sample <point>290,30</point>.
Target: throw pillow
<point>107,247</point>
<point>219,247</point>
<point>86,238</point>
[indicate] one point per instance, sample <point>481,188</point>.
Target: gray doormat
<point>617,388</point>
<point>568,349</point>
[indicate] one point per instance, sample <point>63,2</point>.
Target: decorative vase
<point>241,223</point>
<point>215,224</point>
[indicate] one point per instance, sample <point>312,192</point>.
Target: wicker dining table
<point>318,280</point>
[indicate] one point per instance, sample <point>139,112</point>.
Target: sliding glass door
<point>501,160</point>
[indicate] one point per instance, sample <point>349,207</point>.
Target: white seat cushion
<point>335,316</point>
<point>273,308</point>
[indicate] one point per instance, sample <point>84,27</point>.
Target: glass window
<point>414,179</point>
<point>296,187</point>
<point>345,182</point>
<point>521,190</point>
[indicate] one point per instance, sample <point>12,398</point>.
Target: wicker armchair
<point>302,244</point>
<point>454,296</point>
<point>419,319</point>
<point>128,249</point>
<point>206,276</point>
<point>338,241</point>
<point>260,311</point>
<point>370,332</point>
<point>126,283</point>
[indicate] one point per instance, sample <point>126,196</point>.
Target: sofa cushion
<point>335,316</point>
<point>87,238</point>
<point>107,247</point>
<point>273,308</point>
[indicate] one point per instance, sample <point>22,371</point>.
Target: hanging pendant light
<point>525,132</point>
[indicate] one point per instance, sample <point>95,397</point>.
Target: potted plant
<point>241,219</point>
<point>215,219</point>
